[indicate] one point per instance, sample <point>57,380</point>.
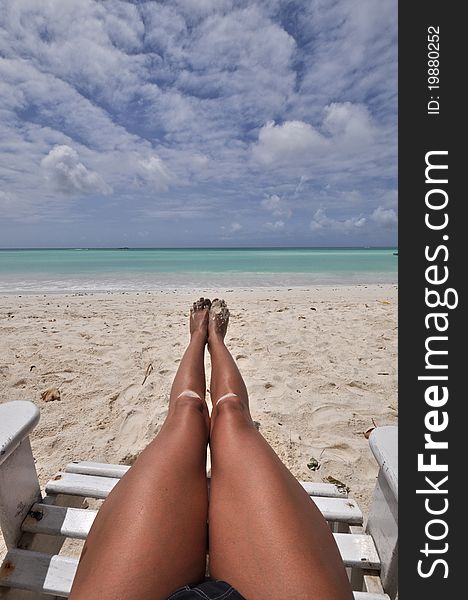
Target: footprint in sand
<point>341,451</point>
<point>133,427</point>
<point>20,383</point>
<point>363,386</point>
<point>324,415</point>
<point>128,394</point>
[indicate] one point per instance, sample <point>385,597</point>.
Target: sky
<point>198,123</point>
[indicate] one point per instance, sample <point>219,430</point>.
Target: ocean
<point>126,269</point>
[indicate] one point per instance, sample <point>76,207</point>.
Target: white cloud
<point>195,8</point>
<point>385,217</point>
<point>287,142</point>
<point>276,206</point>
<point>388,198</point>
<point>228,230</point>
<point>300,186</point>
<point>359,56</point>
<point>153,170</point>
<point>275,226</point>
<point>349,124</point>
<point>67,174</point>
<point>346,131</point>
<point>321,222</point>
<point>215,101</point>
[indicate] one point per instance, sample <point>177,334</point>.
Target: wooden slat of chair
<point>59,520</point>
<point>76,522</point>
<point>38,572</point>
<point>87,486</point>
<point>370,596</point>
<point>328,490</point>
<point>99,469</point>
<point>357,551</point>
<point>48,574</point>
<point>338,510</point>
<point>94,485</point>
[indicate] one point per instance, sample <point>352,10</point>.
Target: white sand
<point>317,378</point>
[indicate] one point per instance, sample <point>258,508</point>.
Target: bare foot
<point>219,319</point>
<point>199,316</point>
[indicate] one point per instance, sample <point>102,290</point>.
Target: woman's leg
<point>267,537</point>
<point>149,537</point>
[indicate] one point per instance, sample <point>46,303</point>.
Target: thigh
<point>149,537</point>
<point>267,537</point>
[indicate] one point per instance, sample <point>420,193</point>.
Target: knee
<point>233,410</point>
<point>188,404</point>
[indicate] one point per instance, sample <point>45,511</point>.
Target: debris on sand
<point>50,394</point>
<point>339,484</point>
<point>148,372</point>
<point>369,430</point>
<point>313,464</point>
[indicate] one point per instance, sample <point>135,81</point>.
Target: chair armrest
<point>384,445</point>
<point>17,419</point>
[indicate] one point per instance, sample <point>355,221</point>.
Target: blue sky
<point>198,123</point>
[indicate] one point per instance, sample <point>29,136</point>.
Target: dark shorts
<point>208,590</point>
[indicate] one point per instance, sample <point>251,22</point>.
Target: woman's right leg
<point>149,537</point>
<point>267,537</point>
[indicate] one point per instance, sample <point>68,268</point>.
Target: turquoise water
<point>150,269</point>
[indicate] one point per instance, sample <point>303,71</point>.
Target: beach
<point>319,363</point>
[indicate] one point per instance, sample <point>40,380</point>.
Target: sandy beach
<point>319,363</point>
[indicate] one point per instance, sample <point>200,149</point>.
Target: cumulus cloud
<point>385,217</point>
<point>276,206</point>
<point>287,142</point>
<point>388,198</point>
<point>349,124</point>
<point>275,226</point>
<point>223,102</point>
<point>300,186</point>
<point>228,230</point>
<point>321,222</point>
<point>153,170</point>
<point>68,174</point>
<point>345,129</point>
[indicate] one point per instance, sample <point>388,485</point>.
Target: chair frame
<point>35,526</point>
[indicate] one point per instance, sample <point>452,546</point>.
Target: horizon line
<point>199,248</point>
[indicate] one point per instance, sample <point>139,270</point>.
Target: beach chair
<point>35,525</point>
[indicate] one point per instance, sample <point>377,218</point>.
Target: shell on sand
<point>50,394</point>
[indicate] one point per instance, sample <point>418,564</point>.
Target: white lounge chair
<point>35,525</point>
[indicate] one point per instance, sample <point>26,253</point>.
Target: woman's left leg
<point>149,537</point>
